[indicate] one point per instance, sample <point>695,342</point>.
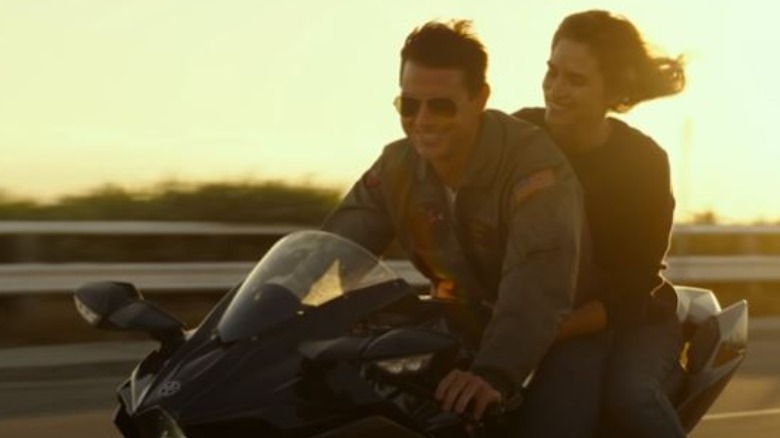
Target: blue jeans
<point>635,401</point>
<point>564,398</point>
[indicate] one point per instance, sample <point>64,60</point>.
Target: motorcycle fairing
<point>717,349</point>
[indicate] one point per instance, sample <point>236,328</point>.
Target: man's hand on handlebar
<point>459,389</point>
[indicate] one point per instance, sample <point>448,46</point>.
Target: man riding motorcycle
<point>484,205</point>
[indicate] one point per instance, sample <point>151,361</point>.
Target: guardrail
<point>197,277</point>
<point>25,278</point>
<point>167,228</point>
<point>172,277</point>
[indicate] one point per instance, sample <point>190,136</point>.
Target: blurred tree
<point>254,202</point>
<point>705,218</point>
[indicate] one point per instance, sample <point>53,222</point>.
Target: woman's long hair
<point>632,74</point>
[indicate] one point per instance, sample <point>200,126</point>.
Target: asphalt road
<point>750,405</point>
<point>82,407</point>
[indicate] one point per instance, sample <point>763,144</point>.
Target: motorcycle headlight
<point>405,365</point>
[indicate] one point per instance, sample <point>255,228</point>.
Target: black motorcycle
<point>322,339</point>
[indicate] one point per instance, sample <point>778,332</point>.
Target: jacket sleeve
<point>363,216</point>
<point>538,281</point>
<point>640,240</point>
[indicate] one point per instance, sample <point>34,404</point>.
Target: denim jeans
<point>564,398</point>
<point>635,401</point>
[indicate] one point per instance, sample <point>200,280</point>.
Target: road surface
<point>82,406</point>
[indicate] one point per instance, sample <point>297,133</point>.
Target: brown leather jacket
<point>511,239</point>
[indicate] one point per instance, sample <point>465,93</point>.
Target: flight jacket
<point>511,239</point>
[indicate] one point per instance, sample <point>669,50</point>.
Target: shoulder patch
<point>528,186</point>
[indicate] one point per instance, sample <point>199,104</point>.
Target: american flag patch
<point>532,184</point>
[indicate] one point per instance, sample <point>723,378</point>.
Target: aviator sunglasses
<point>438,106</point>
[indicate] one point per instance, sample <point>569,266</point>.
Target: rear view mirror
<point>97,301</point>
<point>115,305</point>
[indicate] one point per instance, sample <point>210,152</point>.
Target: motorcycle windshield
<point>302,271</point>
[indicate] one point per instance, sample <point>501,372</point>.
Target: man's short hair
<point>450,45</point>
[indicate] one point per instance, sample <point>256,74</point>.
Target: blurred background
<point>265,112</point>
<point>170,143</point>
<point>140,93</point>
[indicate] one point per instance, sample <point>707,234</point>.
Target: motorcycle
<point>322,339</point>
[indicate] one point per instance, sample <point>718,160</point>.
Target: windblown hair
<point>632,74</point>
<point>448,45</point>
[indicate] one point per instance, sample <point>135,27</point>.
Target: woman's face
<point>574,89</point>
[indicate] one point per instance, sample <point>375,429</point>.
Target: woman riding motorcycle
<point>599,64</point>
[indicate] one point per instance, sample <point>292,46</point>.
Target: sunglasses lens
<point>440,106</point>
<point>408,107</point>
<point>443,107</point>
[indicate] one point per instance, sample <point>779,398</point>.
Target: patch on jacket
<point>480,231</point>
<point>532,184</point>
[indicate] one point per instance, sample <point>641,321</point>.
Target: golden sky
<point>136,92</point>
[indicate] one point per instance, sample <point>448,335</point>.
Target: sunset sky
<point>142,91</point>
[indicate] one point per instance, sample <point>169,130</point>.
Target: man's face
<point>438,115</point>
<point>573,86</point>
